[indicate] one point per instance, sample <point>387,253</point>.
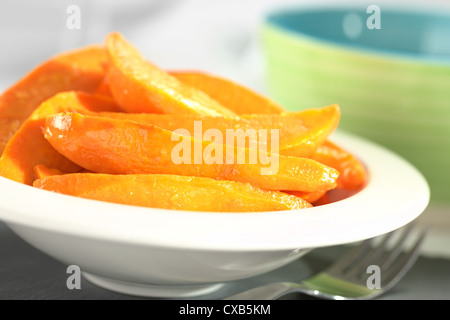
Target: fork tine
<point>359,270</point>
<point>349,258</point>
<point>395,251</point>
<point>398,269</point>
<point>332,283</point>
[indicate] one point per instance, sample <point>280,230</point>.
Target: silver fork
<point>365,272</point>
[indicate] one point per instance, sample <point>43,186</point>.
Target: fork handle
<point>266,292</point>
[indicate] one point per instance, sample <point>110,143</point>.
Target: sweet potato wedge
<point>140,86</point>
<point>113,146</point>
<point>41,171</point>
<point>353,175</point>
<point>171,192</point>
<point>300,133</point>
<point>81,70</point>
<point>234,96</point>
<point>28,147</point>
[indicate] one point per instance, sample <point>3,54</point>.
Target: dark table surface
<point>26,273</point>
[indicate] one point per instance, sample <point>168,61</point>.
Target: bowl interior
<point>411,33</point>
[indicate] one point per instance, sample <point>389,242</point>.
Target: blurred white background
<point>213,35</point>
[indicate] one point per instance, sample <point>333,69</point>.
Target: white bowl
<point>166,253</point>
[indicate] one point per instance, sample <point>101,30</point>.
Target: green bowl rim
<point>355,49</point>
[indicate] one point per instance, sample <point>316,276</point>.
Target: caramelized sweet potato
<point>353,175</point>
<point>140,86</point>
<point>171,192</point>
<point>122,147</point>
<point>28,147</point>
<point>300,133</point>
<point>230,94</point>
<point>81,70</point>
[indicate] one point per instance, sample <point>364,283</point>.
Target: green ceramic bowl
<point>392,83</point>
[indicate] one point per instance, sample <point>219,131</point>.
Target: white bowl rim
<point>395,195</point>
